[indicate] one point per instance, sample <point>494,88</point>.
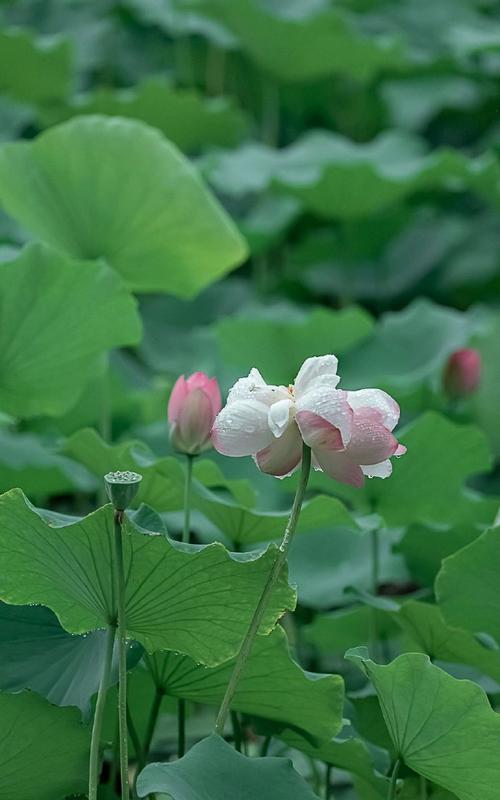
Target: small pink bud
<point>462,373</point>
<point>192,407</point>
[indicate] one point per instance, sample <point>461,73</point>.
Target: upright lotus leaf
<point>337,631</point>
<point>427,630</point>
<point>184,116</point>
<point>273,686</point>
<point>279,342</point>
<point>303,42</point>
<point>115,188</point>
<point>441,727</point>
<point>335,177</point>
<point>59,316</point>
<point>213,769</point>
<point>196,600</point>
<point>34,70</point>
<point>36,653</point>
<point>44,750</point>
<point>467,586</point>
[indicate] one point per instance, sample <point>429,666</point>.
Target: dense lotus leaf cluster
<point>201,202</point>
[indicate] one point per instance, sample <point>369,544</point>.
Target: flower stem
<point>272,580</point>
<point>394,779</point>
<point>186,532</point>
<point>152,720</point>
<point>99,714</point>
<point>181,727</point>
<point>122,654</point>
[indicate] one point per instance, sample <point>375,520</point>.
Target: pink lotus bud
<point>462,373</point>
<point>192,407</point>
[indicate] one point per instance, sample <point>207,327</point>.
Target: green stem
<point>186,532</point>
<point>272,580</point>
<point>122,654</point>
<point>394,779</point>
<point>134,737</point>
<point>375,564</point>
<point>328,781</point>
<point>152,720</point>
<point>94,765</point>
<point>181,727</point>
<point>423,788</point>
<point>265,746</point>
<point>238,739</point>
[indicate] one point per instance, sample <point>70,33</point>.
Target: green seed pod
<point>122,487</point>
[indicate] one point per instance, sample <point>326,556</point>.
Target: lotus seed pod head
<point>462,374</point>
<point>122,487</point>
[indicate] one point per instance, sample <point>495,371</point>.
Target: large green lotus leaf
<point>172,17</point>
<point>115,188</point>
<point>162,488</point>
<point>467,586</point>
<point>44,750</point>
<point>272,686</point>
<point>442,728</point>
<point>427,629</point>
<point>36,653</point>
<point>350,754</point>
<point>427,483</point>
<point>58,317</point>
<point>185,117</point>
<point>28,461</point>
<point>34,70</point>
<point>302,42</point>
<point>213,769</point>
<point>335,177</point>
<point>196,600</point>
<point>424,548</point>
<point>278,343</point>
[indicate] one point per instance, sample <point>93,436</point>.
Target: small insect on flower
<point>462,373</point>
<point>192,408</point>
<point>349,433</point>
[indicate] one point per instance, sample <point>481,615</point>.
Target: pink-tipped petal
<point>317,432</point>
<point>377,400</point>
<point>382,470</point>
<point>177,398</point>
<point>283,455</point>
<point>400,450</point>
<point>209,385</point>
<point>337,466</point>
<point>317,371</point>
<point>371,442</point>
<point>332,405</point>
<point>194,423</point>
<point>242,428</point>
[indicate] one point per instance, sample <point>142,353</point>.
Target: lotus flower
<point>349,433</point>
<point>462,373</point>
<point>192,408</point>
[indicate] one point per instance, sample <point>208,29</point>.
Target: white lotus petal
<point>242,428</point>
<point>315,372</point>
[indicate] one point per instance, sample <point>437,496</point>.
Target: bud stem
<point>186,532</point>
<point>272,580</point>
